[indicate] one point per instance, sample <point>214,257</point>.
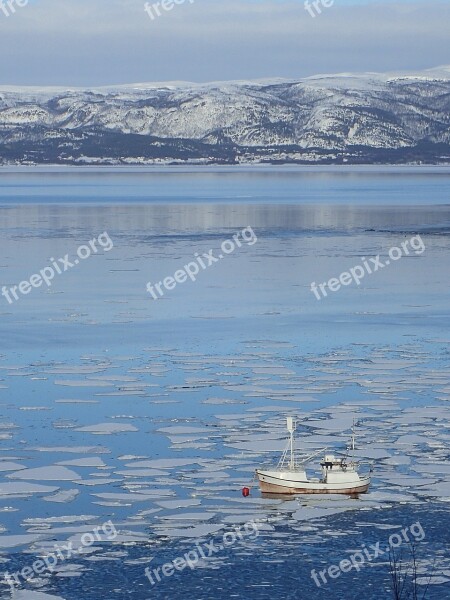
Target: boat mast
<point>291,429</point>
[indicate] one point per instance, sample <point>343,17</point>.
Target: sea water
<point>155,413</point>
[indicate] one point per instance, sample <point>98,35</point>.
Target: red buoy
<point>245,492</point>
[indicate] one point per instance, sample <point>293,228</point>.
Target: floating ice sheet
<point>32,595</point>
<point>50,473</point>
<point>108,428</point>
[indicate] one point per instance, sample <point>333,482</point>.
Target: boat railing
<point>299,461</point>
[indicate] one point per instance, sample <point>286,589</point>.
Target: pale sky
<point>106,42</point>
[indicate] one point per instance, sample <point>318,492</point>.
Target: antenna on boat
<point>353,440</point>
<point>291,425</point>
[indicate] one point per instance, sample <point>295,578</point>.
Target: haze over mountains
<point>346,118</point>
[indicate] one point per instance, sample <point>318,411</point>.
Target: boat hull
<point>272,485</point>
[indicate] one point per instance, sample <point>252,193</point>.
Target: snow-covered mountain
<point>369,118</point>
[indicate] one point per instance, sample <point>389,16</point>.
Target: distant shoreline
<point>195,168</point>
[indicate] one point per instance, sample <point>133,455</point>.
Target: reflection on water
<point>263,286</point>
<point>162,220</point>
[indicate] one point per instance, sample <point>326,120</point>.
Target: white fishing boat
<point>339,475</point>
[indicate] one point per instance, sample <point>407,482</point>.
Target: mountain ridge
<point>393,118</point>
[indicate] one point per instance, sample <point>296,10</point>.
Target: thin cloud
<point>100,42</point>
